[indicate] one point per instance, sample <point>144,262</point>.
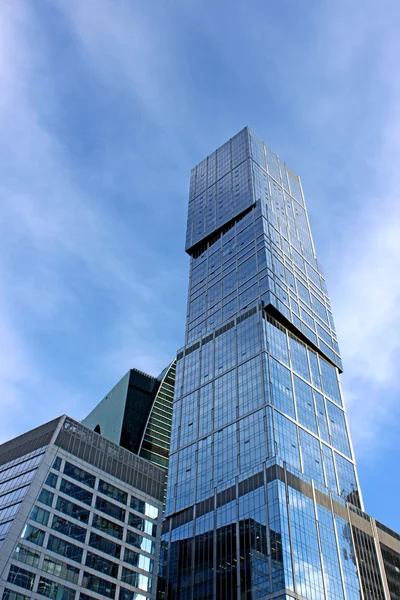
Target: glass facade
<point>261,469</point>
<point>79,532</point>
<point>137,414</point>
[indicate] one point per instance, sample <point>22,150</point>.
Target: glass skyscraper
<point>263,497</point>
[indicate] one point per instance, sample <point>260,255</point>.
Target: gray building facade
<point>80,517</point>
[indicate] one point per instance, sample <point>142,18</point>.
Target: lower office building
<point>80,517</point>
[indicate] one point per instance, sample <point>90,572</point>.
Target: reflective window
<point>11,469</point>
<point>54,590</point>
<point>17,481</point>
<point>281,387</point>
<point>306,553</point>
<point>311,454</point>
<point>104,545</point>
<point>305,404</point>
<point>51,480</point>
<point>224,399</point>
<point>110,509</point>
<point>98,563</point>
<point>250,386</point>
<point>138,505</point>
<point>107,526</point>
<point>136,579</point>
<point>99,585</point>
<point>72,510</point>
<point>330,381</point>
<point>347,479</point>
<point>139,541</point>
<point>73,490</point>
<point>79,474</point>
<point>225,456</point>
<point>60,569</point>
<point>138,560</point>
<point>13,496</point>
<point>39,515</point>
<point>252,446</point>
<point>21,577</point>
<point>125,594</point>
<point>46,497</point>
<point>68,528</point>
<point>113,492</point>
<point>33,534</point>
<point>11,595</point>
<point>26,555</point>
<point>65,548</point>
<point>298,355</point>
<point>337,422</point>
<point>9,511</point>
<point>286,441</point>
<point>57,463</point>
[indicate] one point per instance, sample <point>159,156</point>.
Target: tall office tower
<point>263,498</point>
<point>80,517</point>
<point>137,414</point>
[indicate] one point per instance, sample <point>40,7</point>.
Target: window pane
<point>79,474</point>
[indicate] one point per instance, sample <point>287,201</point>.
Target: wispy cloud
<point>67,257</point>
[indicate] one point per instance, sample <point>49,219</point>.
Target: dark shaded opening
<point>97,429</point>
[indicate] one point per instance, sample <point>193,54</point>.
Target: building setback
<point>263,495</point>
<point>80,517</point>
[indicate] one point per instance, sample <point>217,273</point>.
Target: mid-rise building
<point>263,495</point>
<point>80,517</point>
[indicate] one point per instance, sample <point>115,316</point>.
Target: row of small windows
<point>57,591</point>
<point>99,522</point>
<point>75,553</point>
<point>104,487</point>
<point>69,529</point>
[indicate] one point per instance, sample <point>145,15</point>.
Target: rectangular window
<point>65,548</point>
<point>142,524</point>
<point>39,515</point>
<point>33,535</point>
<point>54,590</point>
<point>76,492</point>
<point>113,492</point>
<point>67,528</point>
<point>72,510</point>
<point>46,497</point>
<point>98,585</point>
<point>129,577</point>
<point>110,509</point>
<point>10,595</point>
<point>104,545</point>
<point>21,577</point>
<point>138,541</point>
<point>51,480</point>
<point>57,463</point>
<point>98,563</point>
<point>26,555</point>
<point>107,526</point>
<point>60,569</point>
<point>138,560</point>
<point>79,474</point>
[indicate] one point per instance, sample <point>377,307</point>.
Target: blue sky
<point>105,107</point>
